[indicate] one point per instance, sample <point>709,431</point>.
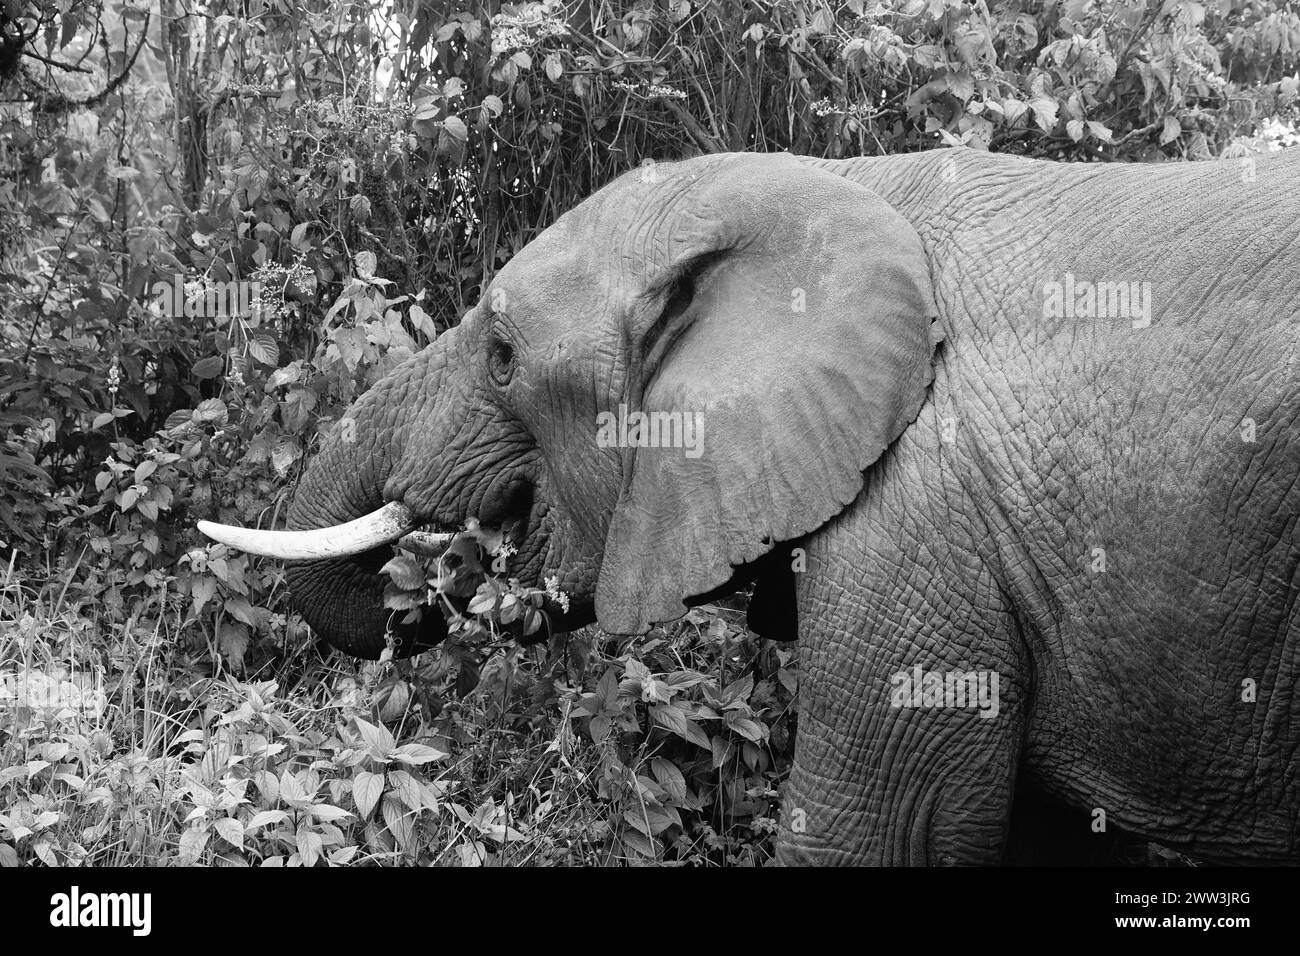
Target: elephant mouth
<point>511,513</point>
<point>506,521</point>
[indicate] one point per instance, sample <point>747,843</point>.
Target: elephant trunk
<point>341,595</point>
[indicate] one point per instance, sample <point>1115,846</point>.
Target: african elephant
<point>1010,444</point>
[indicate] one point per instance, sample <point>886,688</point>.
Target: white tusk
<point>384,526</point>
<point>428,543</point>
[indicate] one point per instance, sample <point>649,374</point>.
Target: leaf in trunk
<point>407,573</point>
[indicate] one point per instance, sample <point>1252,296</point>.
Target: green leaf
<point>266,818</point>
<point>392,697</point>
<point>961,84</point>
<point>1045,111</point>
<point>292,791</point>
<point>407,789</point>
<point>209,367</point>
<point>640,844</point>
<point>696,735</point>
<point>284,376</point>
<point>309,845</point>
<point>452,136</point>
<point>365,263</point>
<point>681,680</point>
<point>661,818</point>
<point>670,778</point>
<point>178,421</point>
<point>407,572</point>
<point>343,855</point>
<point>367,788</point>
<point>670,717</point>
<point>400,822</point>
<point>351,344</point>
<point>422,322</point>
<point>417,754</point>
<point>723,748</point>
<point>737,692</point>
<point>239,608</point>
<point>212,410</point>
<point>749,729</point>
<point>284,455</point>
<point>231,830</point>
<point>1101,131</point>
<point>298,238</point>
<point>192,843</point>
<point>636,671</point>
<point>426,108</point>
<point>264,349</point>
<point>484,600</point>
<point>378,740</point>
<point>298,404</point>
<point>327,812</point>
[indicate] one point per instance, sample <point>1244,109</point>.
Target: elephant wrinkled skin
<point>1030,422</point>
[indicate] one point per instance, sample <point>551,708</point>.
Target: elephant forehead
<point>606,250</point>
<point>644,200</point>
<point>559,277</point>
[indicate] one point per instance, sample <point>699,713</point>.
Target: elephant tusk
<point>389,524</point>
<point>428,543</point>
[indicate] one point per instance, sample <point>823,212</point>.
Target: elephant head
<point>771,322</point>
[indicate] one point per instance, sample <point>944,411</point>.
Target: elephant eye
<point>501,360</point>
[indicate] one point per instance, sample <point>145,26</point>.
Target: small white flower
<point>554,593</point>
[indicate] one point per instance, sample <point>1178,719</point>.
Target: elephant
<point>1009,446</point>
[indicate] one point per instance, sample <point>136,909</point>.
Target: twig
<point>701,135</point>
<point>61,102</point>
<point>54,273</point>
<point>61,66</point>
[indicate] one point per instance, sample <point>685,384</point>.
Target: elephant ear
<point>792,325</point>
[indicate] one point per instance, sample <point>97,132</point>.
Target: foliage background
<point>371,164</point>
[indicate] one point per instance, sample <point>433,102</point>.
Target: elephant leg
<point>882,777</point>
<point>875,785</point>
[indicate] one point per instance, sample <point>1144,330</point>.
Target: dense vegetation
<point>370,165</point>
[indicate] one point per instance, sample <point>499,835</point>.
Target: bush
<point>114,757</point>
